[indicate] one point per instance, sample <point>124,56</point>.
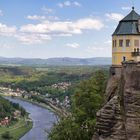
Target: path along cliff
<point>119,118</point>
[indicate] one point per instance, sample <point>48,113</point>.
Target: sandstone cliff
<point>119,118</point>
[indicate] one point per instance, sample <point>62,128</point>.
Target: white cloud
<point>60,5</point>
<point>108,42</point>
<point>6,46</point>
<point>51,28</point>
<point>73,45</point>
<point>41,18</point>
<point>62,35</point>
<point>47,10</point>
<point>64,27</point>
<point>69,3</point>
<point>47,29</point>
<point>77,4</point>
<point>53,18</point>
<point>28,39</point>
<point>6,30</point>
<point>126,8</point>
<point>36,17</point>
<point>114,16</point>
<point>95,49</point>
<point>35,33</point>
<point>89,24</point>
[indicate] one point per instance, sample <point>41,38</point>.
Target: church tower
<point>126,39</point>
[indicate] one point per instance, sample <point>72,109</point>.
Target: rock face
<point>119,118</point>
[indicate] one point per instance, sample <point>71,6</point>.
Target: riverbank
<point>48,105</point>
<point>61,112</point>
<point>36,103</point>
<point>43,120</point>
<point>17,130</point>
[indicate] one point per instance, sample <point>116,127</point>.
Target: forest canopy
<point>86,101</point>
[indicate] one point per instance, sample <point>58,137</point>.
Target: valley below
<point>42,118</point>
<point>56,99</point>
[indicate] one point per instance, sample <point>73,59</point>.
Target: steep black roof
<point>128,25</point>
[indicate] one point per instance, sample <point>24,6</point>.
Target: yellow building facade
<point>126,39</point>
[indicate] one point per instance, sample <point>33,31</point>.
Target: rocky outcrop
<point>119,118</point>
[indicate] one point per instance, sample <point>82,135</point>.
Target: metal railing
<point>135,53</point>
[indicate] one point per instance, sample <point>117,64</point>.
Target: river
<point>42,118</point>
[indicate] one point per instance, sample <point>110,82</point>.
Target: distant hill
<point>55,61</point>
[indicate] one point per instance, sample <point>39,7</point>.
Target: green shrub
<point>6,135</point>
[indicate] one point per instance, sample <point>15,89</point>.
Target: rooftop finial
<point>133,8</point>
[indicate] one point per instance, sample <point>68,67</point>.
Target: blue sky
<point>60,28</point>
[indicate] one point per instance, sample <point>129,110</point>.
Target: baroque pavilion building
<point>126,39</point>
